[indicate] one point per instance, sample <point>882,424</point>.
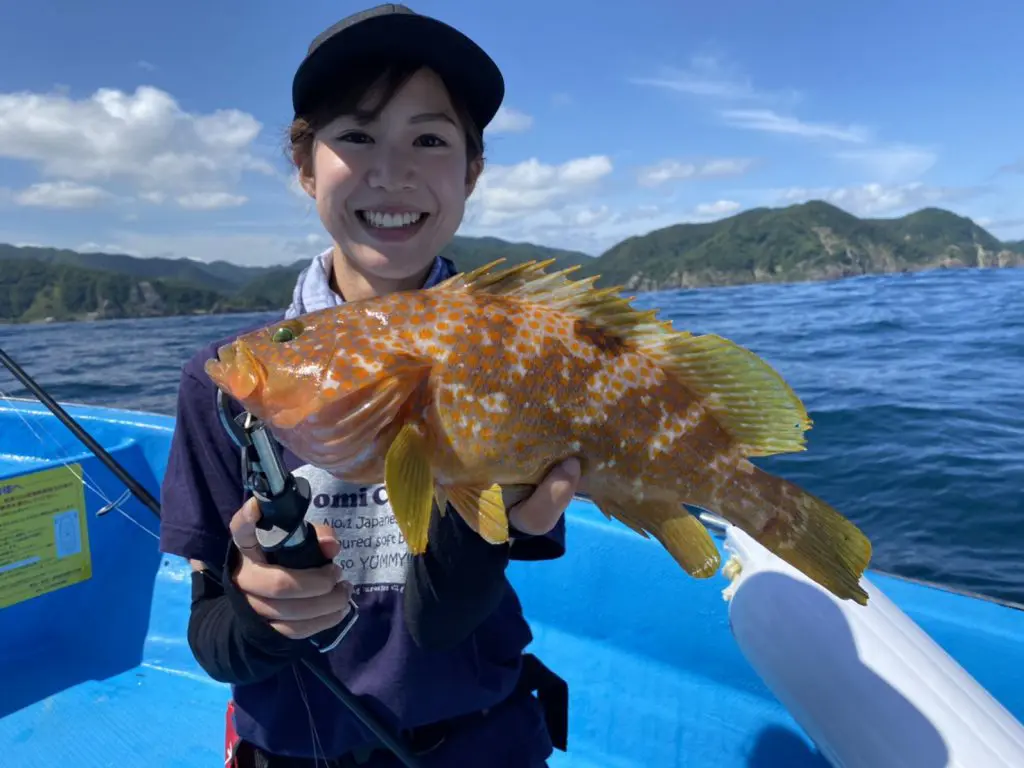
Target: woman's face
<point>392,192</point>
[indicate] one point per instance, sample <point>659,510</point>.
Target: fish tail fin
<point>800,528</point>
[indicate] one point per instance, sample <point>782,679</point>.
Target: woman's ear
<point>476,167</point>
<point>308,182</point>
<point>303,161</point>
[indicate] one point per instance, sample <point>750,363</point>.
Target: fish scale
<point>482,383</point>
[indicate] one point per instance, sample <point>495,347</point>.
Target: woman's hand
<point>537,514</point>
<point>297,603</point>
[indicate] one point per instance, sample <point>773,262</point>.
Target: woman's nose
<point>392,169</point>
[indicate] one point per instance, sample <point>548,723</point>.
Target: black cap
<point>395,31</point>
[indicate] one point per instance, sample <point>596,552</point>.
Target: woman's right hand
<point>296,603</point>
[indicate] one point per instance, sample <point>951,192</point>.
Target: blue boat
<point>663,671</point>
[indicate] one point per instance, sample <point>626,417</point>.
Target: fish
<point>463,392</point>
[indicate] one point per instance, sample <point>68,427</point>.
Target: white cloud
<point>250,249</point>
<point>91,247</point>
<point>1017,167</point>
<point>674,170</point>
<point>143,139</point>
<point>208,201</point>
<point>706,76</point>
<point>509,191</point>
<point>717,208</point>
<point>509,120</point>
<point>61,195</point>
<point>898,162</point>
<point>874,199</point>
<point>579,226</point>
<point>772,122</point>
<point>710,77</point>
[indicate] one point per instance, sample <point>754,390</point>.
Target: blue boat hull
<point>99,673</point>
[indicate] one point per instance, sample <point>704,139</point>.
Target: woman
<point>390,108</point>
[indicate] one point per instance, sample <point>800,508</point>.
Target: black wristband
<point>253,627</point>
<point>231,642</point>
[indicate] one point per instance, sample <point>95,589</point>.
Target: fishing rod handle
<point>307,554</point>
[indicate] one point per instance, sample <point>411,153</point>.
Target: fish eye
<point>287,332</point>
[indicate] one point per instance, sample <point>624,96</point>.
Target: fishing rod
<point>130,482</point>
<point>330,681</point>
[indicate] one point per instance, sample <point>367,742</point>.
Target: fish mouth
<point>236,370</point>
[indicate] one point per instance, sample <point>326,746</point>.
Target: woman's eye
<point>357,137</point>
<point>429,140</point>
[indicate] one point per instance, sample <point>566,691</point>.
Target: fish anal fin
<point>408,478</point>
<point>482,508</point>
<point>679,532</point>
<point>748,398</point>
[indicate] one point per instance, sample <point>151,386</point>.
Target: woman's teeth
<point>390,220</point>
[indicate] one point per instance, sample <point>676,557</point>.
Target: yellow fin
<point>409,481</point>
<point>746,395</point>
<point>691,545</point>
<point>483,510</point>
<point>604,307</point>
<point>682,534</point>
<point>442,499</point>
<point>800,528</point>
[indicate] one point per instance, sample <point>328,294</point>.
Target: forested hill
<point>810,241</point>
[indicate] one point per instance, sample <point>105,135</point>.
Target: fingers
<point>299,630</point>
<point>272,581</point>
<point>538,514</point>
<point>329,543</point>
<point>291,611</point>
<point>260,579</point>
<point>243,531</point>
<point>297,603</point>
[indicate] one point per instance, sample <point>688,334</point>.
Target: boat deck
<point>99,673</point>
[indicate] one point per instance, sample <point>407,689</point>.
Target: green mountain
<point>810,241</point>
<point>35,290</point>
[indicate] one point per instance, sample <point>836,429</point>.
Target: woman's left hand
<point>537,514</point>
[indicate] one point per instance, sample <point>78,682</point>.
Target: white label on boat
<point>67,533</point>
<point>373,550</point>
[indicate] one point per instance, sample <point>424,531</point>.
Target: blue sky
<point>155,128</point>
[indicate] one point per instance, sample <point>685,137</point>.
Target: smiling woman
<point>389,153</point>
<point>387,139</point>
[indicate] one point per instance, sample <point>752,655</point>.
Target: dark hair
<point>346,99</point>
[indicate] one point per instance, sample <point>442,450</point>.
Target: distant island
<point>806,242</point>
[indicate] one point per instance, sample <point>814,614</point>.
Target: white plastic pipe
<point>867,684</point>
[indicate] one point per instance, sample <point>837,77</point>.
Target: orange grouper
<point>486,380</point>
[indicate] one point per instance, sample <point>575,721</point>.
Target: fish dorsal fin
<point>746,395</point>
<point>604,308</point>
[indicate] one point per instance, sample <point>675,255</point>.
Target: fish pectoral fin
<point>482,508</point>
<point>682,534</point>
<point>409,480</point>
<point>442,499</point>
<point>748,398</point>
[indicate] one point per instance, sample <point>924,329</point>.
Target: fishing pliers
<point>283,532</point>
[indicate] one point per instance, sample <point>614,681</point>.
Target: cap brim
<point>463,65</point>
